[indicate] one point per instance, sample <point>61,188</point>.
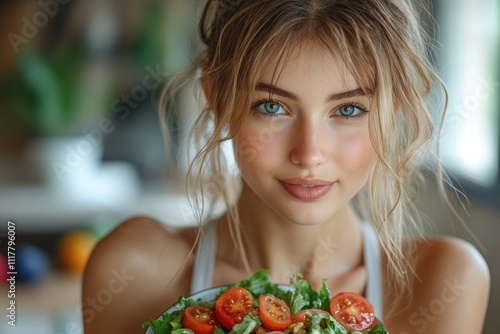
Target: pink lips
<point>306,189</point>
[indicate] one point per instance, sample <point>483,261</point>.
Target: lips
<point>306,189</point>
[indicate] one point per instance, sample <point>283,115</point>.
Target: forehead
<point>309,63</point>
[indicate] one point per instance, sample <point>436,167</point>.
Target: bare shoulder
<point>453,255</point>
<point>451,288</point>
<point>134,273</point>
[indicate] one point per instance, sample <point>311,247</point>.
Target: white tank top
<point>205,259</point>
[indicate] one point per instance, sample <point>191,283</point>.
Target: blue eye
<point>349,111</point>
<point>270,107</point>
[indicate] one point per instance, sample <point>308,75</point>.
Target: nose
<point>309,145</point>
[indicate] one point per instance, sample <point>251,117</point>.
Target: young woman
<point>326,105</point>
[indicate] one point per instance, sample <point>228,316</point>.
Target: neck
<point>328,249</point>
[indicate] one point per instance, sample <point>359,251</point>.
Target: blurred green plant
<point>57,92</point>
<point>151,45</point>
<point>44,91</point>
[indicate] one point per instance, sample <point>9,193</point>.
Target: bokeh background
<point>81,147</point>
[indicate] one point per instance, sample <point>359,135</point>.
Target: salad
<point>259,306</point>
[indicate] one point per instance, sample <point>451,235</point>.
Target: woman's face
<point>305,151</point>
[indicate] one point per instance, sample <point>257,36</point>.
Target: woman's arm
<point>131,276</point>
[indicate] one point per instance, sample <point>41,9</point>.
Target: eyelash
<point>354,104</point>
<point>260,113</point>
<point>347,118</point>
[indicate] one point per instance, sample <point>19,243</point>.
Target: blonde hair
<point>384,47</point>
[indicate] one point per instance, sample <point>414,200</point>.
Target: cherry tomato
<point>200,320</point>
<point>302,316</point>
<point>274,313</point>
<point>352,311</point>
<point>232,306</point>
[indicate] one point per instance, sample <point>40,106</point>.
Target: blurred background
<point>81,146</point>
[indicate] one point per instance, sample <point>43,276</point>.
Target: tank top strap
<point>203,267</point>
<point>371,253</point>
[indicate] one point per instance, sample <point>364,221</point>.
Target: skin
<point>307,139</point>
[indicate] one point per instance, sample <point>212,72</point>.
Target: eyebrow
<point>272,89</point>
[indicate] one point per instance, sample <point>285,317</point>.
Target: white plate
<point>205,296</point>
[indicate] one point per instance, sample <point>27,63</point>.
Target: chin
<point>303,219</point>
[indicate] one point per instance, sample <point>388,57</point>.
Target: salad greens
<point>171,323</point>
<point>324,323</point>
<point>250,322</point>
<point>301,296</point>
<point>260,283</point>
<point>305,296</point>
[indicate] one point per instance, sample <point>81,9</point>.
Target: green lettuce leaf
<point>321,323</point>
<point>218,330</point>
<point>305,296</point>
<point>182,331</point>
<point>260,284</point>
<point>378,329</point>
<point>171,323</point>
<point>158,326</point>
<point>324,297</point>
<point>250,321</point>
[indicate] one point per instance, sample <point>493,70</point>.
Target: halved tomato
<point>352,311</point>
<point>302,316</point>
<point>232,306</point>
<point>200,320</point>
<point>274,313</point>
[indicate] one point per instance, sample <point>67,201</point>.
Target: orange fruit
<point>74,250</point>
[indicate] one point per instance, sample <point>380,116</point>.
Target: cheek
<point>357,154</point>
<point>251,148</point>
<point>256,143</point>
